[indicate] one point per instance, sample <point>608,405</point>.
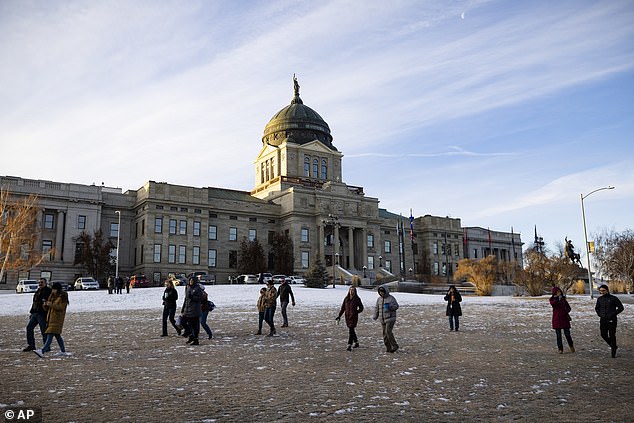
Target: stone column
<point>351,246</point>
<point>322,252</point>
<point>59,247</point>
<point>364,247</point>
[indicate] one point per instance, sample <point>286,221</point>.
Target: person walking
<point>454,311</point>
<point>386,306</point>
<point>56,313</point>
<point>561,318</point>
<point>204,312</point>
<point>351,306</point>
<point>127,285</point>
<point>170,296</point>
<point>37,315</point>
<point>118,285</point>
<point>110,284</point>
<point>284,292</point>
<point>261,309</point>
<point>608,307</point>
<point>271,304</point>
<point>191,310</point>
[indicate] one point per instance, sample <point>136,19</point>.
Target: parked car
<point>296,279</point>
<point>139,282</point>
<point>247,279</point>
<point>196,274</point>
<point>207,279</point>
<point>65,285</point>
<point>26,285</point>
<point>86,283</point>
<point>278,278</point>
<point>264,277</point>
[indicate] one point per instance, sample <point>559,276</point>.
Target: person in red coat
<point>561,318</point>
<point>351,306</point>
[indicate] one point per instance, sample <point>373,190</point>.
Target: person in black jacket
<point>191,310</point>
<point>170,296</point>
<point>283,292</point>
<point>607,308</point>
<point>37,315</point>
<point>454,311</point>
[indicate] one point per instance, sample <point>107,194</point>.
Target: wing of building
<point>298,191</point>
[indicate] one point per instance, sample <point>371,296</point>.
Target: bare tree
<point>18,219</point>
<point>94,254</point>
<point>614,253</point>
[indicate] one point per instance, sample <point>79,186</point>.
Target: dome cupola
<point>298,124</point>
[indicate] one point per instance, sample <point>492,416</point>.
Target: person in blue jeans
<point>454,311</point>
<point>204,312</point>
<point>37,315</point>
<point>271,304</point>
<point>56,313</point>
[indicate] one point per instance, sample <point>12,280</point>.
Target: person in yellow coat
<point>56,313</point>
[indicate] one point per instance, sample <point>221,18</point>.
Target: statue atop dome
<point>296,85</point>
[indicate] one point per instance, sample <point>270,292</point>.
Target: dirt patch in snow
<point>503,365</point>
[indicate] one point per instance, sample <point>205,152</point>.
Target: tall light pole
<point>116,271</point>
<point>585,234</point>
<point>333,221</point>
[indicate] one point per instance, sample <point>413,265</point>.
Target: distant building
<point>298,191</point>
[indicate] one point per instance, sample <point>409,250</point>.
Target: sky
<point>500,113</point>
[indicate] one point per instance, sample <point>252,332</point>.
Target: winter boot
<point>195,341</point>
<point>561,351</point>
<point>349,347</point>
<point>356,345</point>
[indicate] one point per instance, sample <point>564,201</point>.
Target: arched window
<point>307,166</point>
<point>273,168</point>
<point>324,169</point>
<point>268,170</point>
<point>262,180</point>
<point>315,168</point>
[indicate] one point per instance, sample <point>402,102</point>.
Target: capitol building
<point>298,191</point>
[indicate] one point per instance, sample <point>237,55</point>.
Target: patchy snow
<point>229,296</point>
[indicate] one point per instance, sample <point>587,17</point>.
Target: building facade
<point>164,228</point>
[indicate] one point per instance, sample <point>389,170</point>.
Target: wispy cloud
<point>455,151</point>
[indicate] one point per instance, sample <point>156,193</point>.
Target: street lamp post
<point>333,221</point>
<point>334,263</point>
<point>116,271</point>
<point>364,269</point>
<point>380,261</point>
<point>585,234</point>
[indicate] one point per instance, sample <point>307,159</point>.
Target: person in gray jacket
<point>386,306</point>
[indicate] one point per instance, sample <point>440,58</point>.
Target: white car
<point>250,279</point>
<point>278,278</point>
<point>86,283</point>
<point>26,285</point>
<point>297,279</point>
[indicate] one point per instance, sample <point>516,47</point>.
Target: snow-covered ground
<point>231,296</point>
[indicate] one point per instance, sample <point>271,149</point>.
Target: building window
<point>444,269</point>
<point>233,217</point>
<point>172,226</point>
<point>196,228</point>
<point>184,209</point>
<point>114,230</point>
<point>436,268</point>
<point>324,169</point>
<point>388,246</point>
<point>233,234</point>
<point>305,235</point>
<point>307,166</point>
<point>315,168</point>
<point>158,225</point>
<point>196,255</point>
<point>81,222</point>
<point>233,259</point>
<point>252,234</point>
<point>388,265</point>
<point>182,257</point>
<point>435,248</point>
<point>475,253</point>
<point>49,220</point>
<point>183,227</point>
<point>143,227</point>
<point>370,263</point>
<point>305,260</point>
<point>157,253</point>
<point>370,241</point>
<point>262,179</point>
<point>159,207</point>
<point>47,246</point>
<point>213,232</point>
<point>253,219</point>
<point>211,258</point>
<point>271,236</point>
<point>171,253</point>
